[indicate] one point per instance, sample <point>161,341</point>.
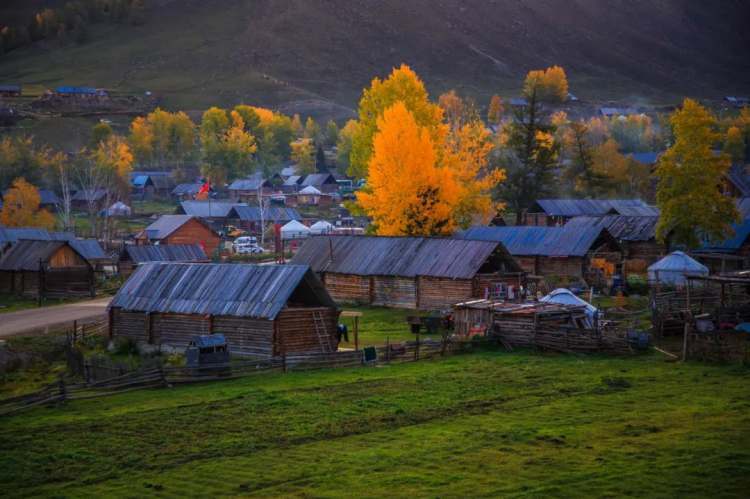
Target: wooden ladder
<point>320,330</point>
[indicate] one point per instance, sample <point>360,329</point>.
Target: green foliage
<point>19,157</point>
<point>100,133</point>
<point>486,424</point>
<point>332,134</point>
<point>690,178</point>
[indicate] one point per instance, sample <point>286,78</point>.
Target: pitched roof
<point>208,209</point>
<point>646,158</point>
<point>165,225</point>
<point>90,249</point>
<point>165,253</point>
<point>731,244</point>
<point>399,256</point>
<point>540,241</point>
<point>86,195</point>
<point>259,291</point>
<point>251,183</point>
<point>12,235</point>
<point>318,179</point>
<point>621,227</point>
<point>743,206</point>
<point>272,214</point>
<point>739,177</point>
<point>26,254</point>
<point>593,207</point>
<point>310,190</point>
<point>293,180</point>
<point>181,189</point>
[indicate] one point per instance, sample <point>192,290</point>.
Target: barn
<point>46,269</point>
<point>180,229</point>
<point>408,272</point>
<point>555,251</point>
<point>263,311</point>
<point>134,255</point>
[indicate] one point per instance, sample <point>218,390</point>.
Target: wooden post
<point>416,349</point>
<point>149,329</point>
<point>61,388</point>
<point>110,326</point>
<point>356,333</point>
<point>688,318</point>
<point>283,351</point>
<point>92,287</point>
<point>75,330</point>
<point>40,284</point>
<point>388,349</point>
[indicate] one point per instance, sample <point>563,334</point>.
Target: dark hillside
<point>320,53</point>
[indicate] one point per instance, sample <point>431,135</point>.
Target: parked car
<point>247,245</point>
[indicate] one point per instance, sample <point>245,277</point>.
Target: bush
<point>124,346</point>
<point>637,285</point>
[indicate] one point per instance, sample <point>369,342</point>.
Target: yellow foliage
<point>21,207</point>
<point>550,84</point>
<point>266,115</point>
<point>495,111</point>
<point>303,153</point>
<point>608,162</point>
<point>734,144</point>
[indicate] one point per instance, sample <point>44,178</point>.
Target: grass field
<point>482,424</point>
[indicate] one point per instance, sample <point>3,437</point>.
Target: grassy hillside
<point>487,424</point>
<point>316,56</point>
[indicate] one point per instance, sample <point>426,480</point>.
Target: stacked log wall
<point>296,330</point>
<point>438,293</point>
<point>391,291</point>
<point>348,288</point>
<point>131,325</point>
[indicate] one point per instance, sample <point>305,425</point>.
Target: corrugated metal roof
<point>86,195</point>
<point>165,225</point>
<point>318,179</point>
<point>293,180</point>
<point>166,253</point>
<point>272,214</point>
<point>732,244</point>
<point>182,189</point>
<point>594,207</point>
<point>90,249</point>
<point>26,254</point>
<point>251,183</point>
<point>208,209</point>
<point>739,177</point>
<point>259,291</point>
<point>399,256</point>
<point>539,241</point>
<point>621,227</point>
<point>743,206</point>
<point>14,234</point>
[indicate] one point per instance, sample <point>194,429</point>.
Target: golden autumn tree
<point>303,154</point>
<point>734,144</point>
<point>403,85</point>
<point>21,207</point>
<point>407,192</point>
<point>551,84</point>
<point>690,177</point>
<point>495,111</point>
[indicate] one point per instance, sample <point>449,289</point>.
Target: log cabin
<point>263,311</point>
<point>134,255</point>
<point>555,251</point>
<point>46,269</point>
<point>409,272</point>
<point>180,229</point>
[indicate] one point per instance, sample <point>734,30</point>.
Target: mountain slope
<point>321,53</point>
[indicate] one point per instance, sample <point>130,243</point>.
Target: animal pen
<point>410,272</point>
<point>550,326</point>
<point>263,311</point>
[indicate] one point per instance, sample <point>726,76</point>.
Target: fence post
<point>416,349</point>
<point>388,349</point>
<point>40,284</point>
<point>61,389</point>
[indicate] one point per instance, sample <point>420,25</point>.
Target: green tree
<point>312,130</point>
<point>99,133</point>
<point>20,158</point>
<point>332,133</point>
<point>303,154</point>
<point>344,144</point>
<point>690,176</point>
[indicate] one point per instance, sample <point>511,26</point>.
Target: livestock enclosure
<point>263,311</point>
<point>409,272</point>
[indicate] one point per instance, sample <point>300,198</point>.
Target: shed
<point>187,191</point>
<point>211,210</point>
<point>636,235</point>
<point>294,230</point>
<point>730,254</point>
<point>555,251</point>
<point>408,272</point>
<point>180,229</point>
<point>148,184</point>
<point>263,311</point>
<point>673,268</point>
<point>45,269</point>
<point>563,296</point>
<point>133,255</point>
<point>82,198</point>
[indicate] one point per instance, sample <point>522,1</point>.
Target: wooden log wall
<point>176,330</point>
<point>246,336</point>
<point>130,325</point>
<point>390,291</point>
<point>347,288</point>
<point>296,330</point>
<point>437,293</point>
<point>571,266</point>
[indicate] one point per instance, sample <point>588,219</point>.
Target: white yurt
<point>564,296</point>
<point>118,209</point>
<point>673,268</point>
<point>294,230</point>
<point>321,227</point>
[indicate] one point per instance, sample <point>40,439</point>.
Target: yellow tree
<point>297,126</point>
<point>495,111</point>
<point>690,177</point>
<point>407,192</point>
<point>227,147</point>
<point>21,207</point>
<point>344,143</point>
<point>551,84</point>
<point>303,154</point>
<point>403,85</point>
<point>734,144</point>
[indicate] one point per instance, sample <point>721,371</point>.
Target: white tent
<point>673,268</point>
<point>564,296</point>
<point>294,230</point>
<point>321,227</point>
<point>118,209</point>
<point>310,190</point>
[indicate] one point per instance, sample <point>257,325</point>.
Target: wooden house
<point>555,251</point>
<point>10,90</point>
<point>311,196</point>
<point>324,182</point>
<point>247,189</point>
<point>180,229</point>
<point>188,191</point>
<point>214,211</point>
<point>292,184</point>
<point>263,311</point>
<point>728,255</point>
<point>408,272</point>
<point>45,269</point>
<point>134,255</point>
<point>556,212</point>
<point>83,198</point>
<point>148,185</point>
<point>636,236</point>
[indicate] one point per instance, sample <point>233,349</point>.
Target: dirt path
<point>41,320</point>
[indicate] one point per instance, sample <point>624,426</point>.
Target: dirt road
<point>42,320</point>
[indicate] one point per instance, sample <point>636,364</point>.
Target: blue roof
<point>139,180</point>
<point>208,209</point>
<point>594,207</point>
<point>208,340</point>
<point>646,158</point>
<point>734,243</point>
<point>743,206</point>
<point>739,176</point>
<point>272,214</point>
<point>90,249</point>
<point>77,90</point>
<point>539,241</point>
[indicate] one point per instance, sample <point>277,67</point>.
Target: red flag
<point>203,191</point>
